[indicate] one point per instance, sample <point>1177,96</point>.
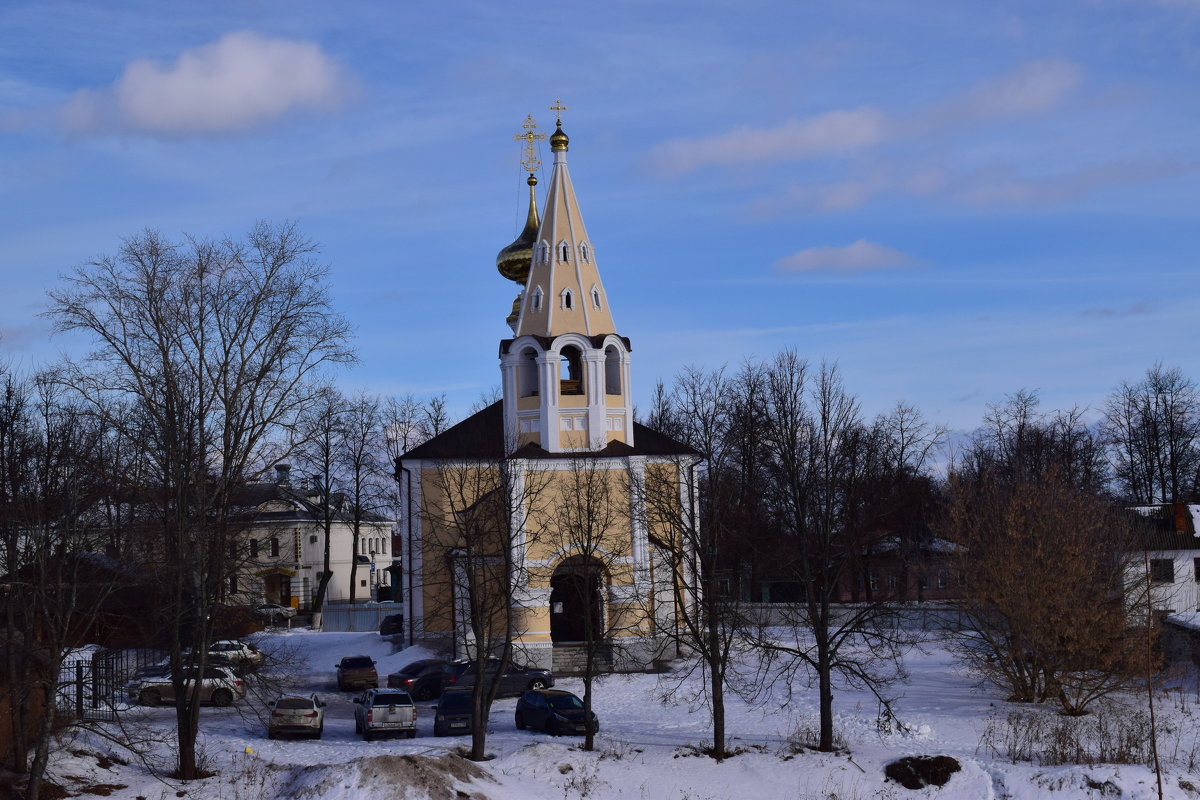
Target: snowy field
<point>645,750</point>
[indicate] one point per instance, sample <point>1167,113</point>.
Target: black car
<point>516,679</point>
<point>554,711</point>
<point>422,679</point>
<point>392,625</point>
<point>454,713</point>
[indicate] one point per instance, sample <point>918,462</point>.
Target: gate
<point>91,684</point>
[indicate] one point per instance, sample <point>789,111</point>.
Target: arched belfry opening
<point>576,602</point>
<point>571,370</point>
<point>612,370</point>
<point>527,372</point>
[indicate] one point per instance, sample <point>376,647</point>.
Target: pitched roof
<point>481,436</point>
<point>1169,526</point>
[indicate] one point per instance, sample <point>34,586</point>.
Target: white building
<point>282,551</point>
<point>1173,554</point>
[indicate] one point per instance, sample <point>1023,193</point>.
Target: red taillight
<point>370,716</point>
<point>408,682</point>
<point>237,683</point>
<point>313,714</point>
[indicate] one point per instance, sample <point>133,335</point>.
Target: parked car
<point>356,672</point>
<point>554,711</point>
<point>454,713</point>
<point>392,625</point>
<point>273,612</point>
<point>516,678</point>
<point>296,714</point>
<point>237,652</point>
<point>219,686</point>
<point>422,679</point>
<point>380,712</point>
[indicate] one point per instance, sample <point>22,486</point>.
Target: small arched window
<point>543,251</point>
<point>568,299</point>
<point>564,251</point>
<point>595,297</point>
<point>584,251</point>
<point>275,546</point>
<point>536,301</point>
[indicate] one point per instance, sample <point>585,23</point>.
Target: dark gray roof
<point>481,436</point>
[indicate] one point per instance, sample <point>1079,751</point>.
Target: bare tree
<point>1153,427</point>
<point>363,459</point>
<point>53,486</point>
<point>832,480</point>
<point>594,532</point>
<point>215,345</point>
<point>318,436</point>
<point>695,533</point>
<point>475,515</point>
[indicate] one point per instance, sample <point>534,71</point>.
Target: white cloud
<point>832,133</point>
<point>858,257</point>
<point>235,83</point>
<point>1032,88</point>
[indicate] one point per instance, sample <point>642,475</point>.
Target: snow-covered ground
<point>646,748</point>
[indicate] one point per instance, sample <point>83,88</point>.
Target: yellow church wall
<point>572,400</point>
<point>614,400</point>
<point>528,403</point>
<point>573,440</point>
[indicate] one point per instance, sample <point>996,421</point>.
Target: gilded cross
<point>558,108</point>
<point>530,135</point>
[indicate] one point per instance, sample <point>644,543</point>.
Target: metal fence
<point>359,617</point>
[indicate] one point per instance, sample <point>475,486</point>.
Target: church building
<point>530,521</point>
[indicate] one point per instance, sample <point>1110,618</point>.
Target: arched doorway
<point>576,604</point>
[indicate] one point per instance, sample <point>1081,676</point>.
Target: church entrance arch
<point>576,604</point>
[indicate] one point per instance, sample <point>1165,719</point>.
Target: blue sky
<point>952,200</point>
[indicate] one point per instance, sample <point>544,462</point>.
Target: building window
<point>537,298</point>
<point>1162,570</point>
<point>942,580</point>
<point>275,547</point>
<point>254,548</point>
<point>362,583</point>
<point>564,251</point>
<point>583,251</point>
<point>873,581</point>
<point>233,550</point>
<point>544,251</point>
<point>233,587</point>
<point>568,299</point>
<point>891,581</point>
<point>962,580</point>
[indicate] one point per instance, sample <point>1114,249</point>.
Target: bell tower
<point>565,375</point>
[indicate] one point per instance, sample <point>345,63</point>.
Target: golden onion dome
<point>515,261</point>
<point>558,139</point>
<point>515,314</point>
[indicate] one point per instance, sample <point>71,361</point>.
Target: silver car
<point>219,686</point>
<point>298,715</point>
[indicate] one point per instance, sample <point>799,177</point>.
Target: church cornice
<point>547,342</point>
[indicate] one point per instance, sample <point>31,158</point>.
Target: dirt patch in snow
<point>411,777</point>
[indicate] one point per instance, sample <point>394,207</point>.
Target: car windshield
<point>358,662</point>
<point>392,699</point>
<point>294,703</point>
<point>455,701</point>
<point>564,702</point>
